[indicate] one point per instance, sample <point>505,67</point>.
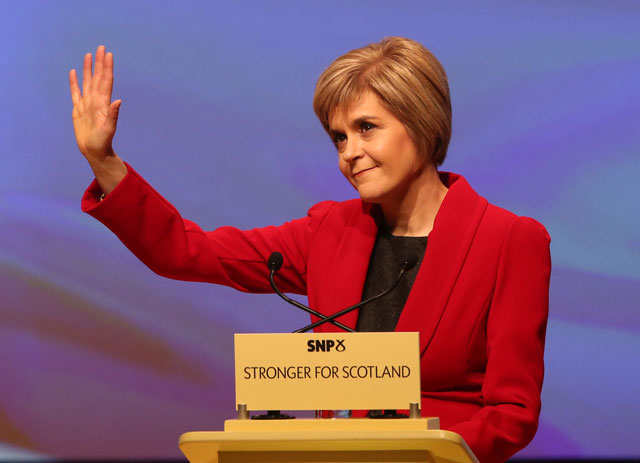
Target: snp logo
<point>325,345</point>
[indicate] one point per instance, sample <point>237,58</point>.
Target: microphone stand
<point>274,264</point>
<point>330,318</point>
<point>303,307</point>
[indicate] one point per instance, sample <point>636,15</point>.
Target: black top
<point>389,253</point>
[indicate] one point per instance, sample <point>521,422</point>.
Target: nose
<point>353,149</point>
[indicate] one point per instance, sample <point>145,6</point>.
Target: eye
<point>366,126</point>
<point>339,138</point>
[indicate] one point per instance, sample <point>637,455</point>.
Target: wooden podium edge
<point>444,445</point>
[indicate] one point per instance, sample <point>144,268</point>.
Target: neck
<point>413,212</point>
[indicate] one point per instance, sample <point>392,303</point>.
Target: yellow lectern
<point>293,366</point>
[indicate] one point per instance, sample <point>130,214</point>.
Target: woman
<point>479,293</point>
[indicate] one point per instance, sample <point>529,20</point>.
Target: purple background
<point>101,358</point>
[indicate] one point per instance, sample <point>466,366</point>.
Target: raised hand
<point>95,118</point>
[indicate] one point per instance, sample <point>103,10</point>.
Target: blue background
<point>101,358</point>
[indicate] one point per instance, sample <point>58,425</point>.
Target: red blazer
<point>479,301</point>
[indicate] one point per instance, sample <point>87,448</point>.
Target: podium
<point>364,440</point>
<point>327,440</point>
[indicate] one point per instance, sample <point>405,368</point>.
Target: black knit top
<point>388,255</point>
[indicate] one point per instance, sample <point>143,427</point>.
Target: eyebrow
<point>365,118</point>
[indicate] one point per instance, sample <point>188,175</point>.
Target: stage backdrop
<point>100,358</point>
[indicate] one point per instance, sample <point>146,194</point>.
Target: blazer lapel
<point>447,247</point>
<point>351,264</point>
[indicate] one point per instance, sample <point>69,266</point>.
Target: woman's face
<point>376,153</point>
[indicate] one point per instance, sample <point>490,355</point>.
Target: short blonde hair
<point>410,82</point>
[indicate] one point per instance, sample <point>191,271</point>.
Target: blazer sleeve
<point>516,329</point>
<point>177,248</point>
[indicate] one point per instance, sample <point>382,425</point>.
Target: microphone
<point>408,263</point>
<point>275,263</point>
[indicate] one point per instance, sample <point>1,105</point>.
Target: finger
<point>112,116</point>
<point>106,82</point>
<point>86,75</point>
<point>73,85</point>
<point>97,74</point>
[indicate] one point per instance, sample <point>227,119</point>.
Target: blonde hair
<point>409,81</point>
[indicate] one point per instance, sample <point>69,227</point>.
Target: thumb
<point>112,116</point>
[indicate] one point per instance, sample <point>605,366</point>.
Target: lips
<point>363,171</point>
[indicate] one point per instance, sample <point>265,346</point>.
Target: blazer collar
<point>447,247</point>
<point>349,271</point>
<point>453,231</point>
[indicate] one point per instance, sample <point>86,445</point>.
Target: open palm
<point>95,118</point>
<point>94,115</point>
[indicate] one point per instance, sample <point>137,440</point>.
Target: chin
<point>370,195</point>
